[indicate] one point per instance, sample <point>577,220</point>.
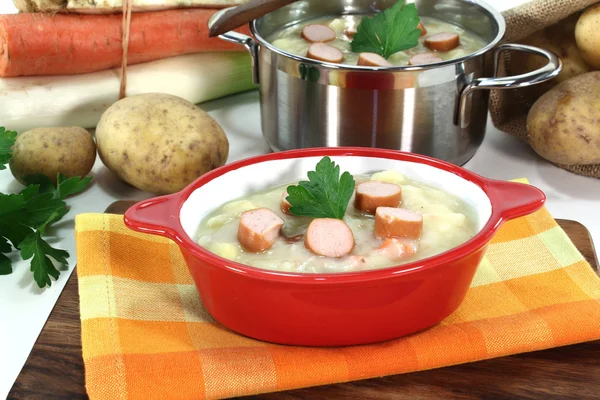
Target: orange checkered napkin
<point>146,334</point>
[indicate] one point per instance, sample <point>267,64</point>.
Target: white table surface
<point>24,308</point>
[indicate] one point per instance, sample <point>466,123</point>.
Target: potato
<point>218,221</point>
<point>226,250</point>
<point>237,207</point>
<point>48,151</point>
<point>159,143</point>
<point>390,176</point>
<point>587,36</point>
<point>559,39</point>
<point>562,125</point>
<point>424,200</point>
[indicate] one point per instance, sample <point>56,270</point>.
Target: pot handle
<point>239,38</point>
<point>156,216</point>
<point>547,72</point>
<point>512,199</point>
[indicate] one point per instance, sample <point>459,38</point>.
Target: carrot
<point>111,6</point>
<point>65,44</point>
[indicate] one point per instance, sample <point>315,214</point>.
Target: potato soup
<point>445,222</point>
<point>292,40</point>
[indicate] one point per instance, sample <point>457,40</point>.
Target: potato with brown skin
<point>159,143</point>
<point>587,35</point>
<point>48,151</point>
<point>559,39</point>
<point>563,126</point>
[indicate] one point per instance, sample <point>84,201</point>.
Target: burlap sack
<point>509,107</point>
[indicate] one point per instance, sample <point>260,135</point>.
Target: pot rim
<point>496,15</point>
<point>164,219</point>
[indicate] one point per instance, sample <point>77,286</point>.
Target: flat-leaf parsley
<point>388,32</point>
<point>325,195</point>
<point>25,216</point>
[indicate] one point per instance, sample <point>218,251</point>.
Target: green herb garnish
<point>388,32</point>
<point>7,140</point>
<point>324,195</point>
<point>25,216</point>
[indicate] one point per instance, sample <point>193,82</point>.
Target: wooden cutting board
<point>54,370</point>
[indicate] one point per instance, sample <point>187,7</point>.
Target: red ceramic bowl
<point>331,309</point>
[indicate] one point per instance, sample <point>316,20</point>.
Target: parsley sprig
<point>25,216</point>
<point>7,139</point>
<point>388,32</point>
<point>325,195</point>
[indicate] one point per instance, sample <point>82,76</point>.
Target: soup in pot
<point>331,40</point>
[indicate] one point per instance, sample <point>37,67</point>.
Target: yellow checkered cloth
<point>146,334</point>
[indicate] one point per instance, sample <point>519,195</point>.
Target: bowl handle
<point>157,216</point>
<point>512,200</point>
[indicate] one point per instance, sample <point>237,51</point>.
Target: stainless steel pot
<point>436,110</point>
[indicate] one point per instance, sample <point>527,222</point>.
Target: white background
<point>24,308</point>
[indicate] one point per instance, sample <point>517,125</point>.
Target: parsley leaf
<point>388,32</point>
<point>43,183</point>
<point>5,262</point>
<point>64,187</point>
<point>4,245</point>
<point>13,218</point>
<point>324,195</point>
<point>30,191</point>
<point>5,265</point>
<point>7,140</point>
<point>42,265</point>
<point>67,187</point>
<point>42,209</point>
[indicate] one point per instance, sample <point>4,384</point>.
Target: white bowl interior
<point>257,177</point>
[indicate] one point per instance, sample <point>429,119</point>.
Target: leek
<point>80,100</point>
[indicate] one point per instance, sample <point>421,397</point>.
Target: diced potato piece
<point>284,44</point>
<point>218,221</point>
<point>412,191</point>
<point>338,25</point>
<point>204,241</point>
<point>237,207</point>
<point>445,222</point>
<point>390,176</point>
<point>399,58</point>
<point>436,195</point>
<point>229,251</point>
<point>413,198</point>
<point>436,208</point>
<point>443,232</point>
<point>425,200</point>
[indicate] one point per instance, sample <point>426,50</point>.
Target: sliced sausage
<point>373,194</point>
<point>317,33</point>
<point>398,222</point>
<point>424,58</point>
<point>350,32</point>
<point>372,60</point>
<point>285,205</point>
<point>442,41</point>
<point>422,28</point>
<point>324,52</point>
<point>258,229</point>
<point>397,249</point>
<point>329,237</point>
